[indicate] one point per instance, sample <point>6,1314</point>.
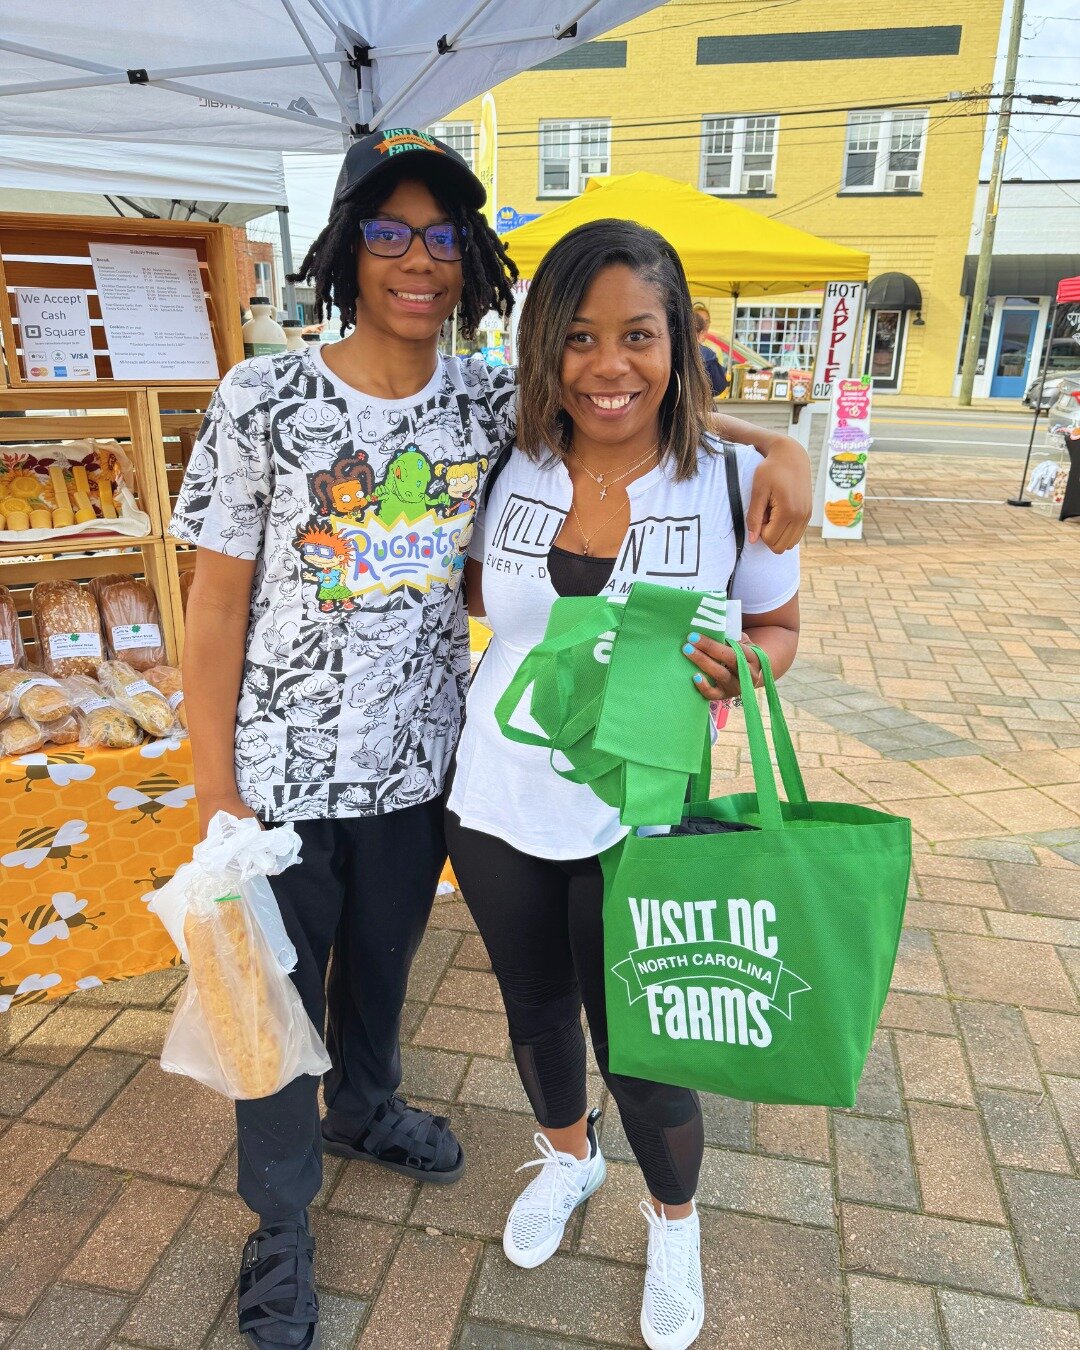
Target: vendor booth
<point>174,123</point>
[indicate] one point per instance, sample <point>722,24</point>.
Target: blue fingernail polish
<point>698,679</point>
<point>694,637</point>
<point>688,651</point>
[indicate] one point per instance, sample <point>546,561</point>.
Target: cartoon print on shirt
<point>403,493</point>
<point>345,490</point>
<point>461,483</point>
<point>326,561</point>
<point>312,433</point>
<point>309,754</point>
<point>358,591</point>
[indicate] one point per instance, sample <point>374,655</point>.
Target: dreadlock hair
<point>488,273</point>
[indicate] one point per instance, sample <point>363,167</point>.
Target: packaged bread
<point>68,628</point>
<point>37,697</point>
<point>65,731</point>
<point>130,620</point>
<point>137,697</point>
<point>100,721</point>
<point>19,737</point>
<point>186,578</point>
<point>11,647</point>
<point>166,680</point>
<point>233,972</point>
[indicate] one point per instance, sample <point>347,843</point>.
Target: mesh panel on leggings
<point>552,1072</point>
<point>669,1156</point>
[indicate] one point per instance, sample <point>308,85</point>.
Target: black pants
<point>363,891</point>
<point>542,925</point>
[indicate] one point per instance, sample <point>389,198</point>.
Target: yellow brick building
<point>758,107</point>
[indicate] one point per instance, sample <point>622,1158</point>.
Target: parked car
<point>1062,370</point>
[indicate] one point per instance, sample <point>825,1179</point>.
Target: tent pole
<point>287,260</point>
<point>731,347</point>
<point>1019,499</point>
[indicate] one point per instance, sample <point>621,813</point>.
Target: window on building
<point>884,151</point>
<point>570,153</point>
<point>984,337</point>
<point>885,333</point>
<point>738,154</point>
<point>783,336</point>
<point>264,281</point>
<point>458,136</point>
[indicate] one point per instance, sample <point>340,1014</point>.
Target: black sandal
<point>405,1139</point>
<point>277,1286</point>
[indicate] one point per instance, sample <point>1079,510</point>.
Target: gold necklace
<point>603,482</point>
<point>588,538</point>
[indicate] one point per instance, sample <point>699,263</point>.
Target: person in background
<point>717,375</point>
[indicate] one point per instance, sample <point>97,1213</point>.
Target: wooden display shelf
<point>54,251</point>
<point>148,561</point>
<point>176,414</point>
<point>51,416</point>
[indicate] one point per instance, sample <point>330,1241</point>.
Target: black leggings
<point>542,925</point>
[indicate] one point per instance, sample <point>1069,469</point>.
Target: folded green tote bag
<point>613,696</point>
<point>755,962</point>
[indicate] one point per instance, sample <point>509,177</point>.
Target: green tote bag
<point>755,963</point>
<point>595,680</point>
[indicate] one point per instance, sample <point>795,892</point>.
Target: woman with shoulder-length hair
<point>616,477</point>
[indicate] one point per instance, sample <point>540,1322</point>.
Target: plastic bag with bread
<point>12,653</point>
<point>19,737</point>
<point>240,1026</point>
<point>137,697</point>
<point>130,620</point>
<point>39,700</point>
<point>100,720</point>
<point>68,628</point>
<point>166,680</point>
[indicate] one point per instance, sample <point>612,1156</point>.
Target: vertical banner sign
<point>487,168</point>
<point>846,449</point>
<point>836,340</point>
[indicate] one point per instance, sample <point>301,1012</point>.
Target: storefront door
<point>1015,338</point>
<point>886,340</point>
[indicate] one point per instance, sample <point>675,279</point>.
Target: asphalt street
<point>954,432</point>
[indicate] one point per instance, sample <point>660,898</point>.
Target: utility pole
<point>986,244</point>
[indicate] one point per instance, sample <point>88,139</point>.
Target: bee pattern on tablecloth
<point>30,989</point>
<point>5,947</point>
<point>41,842</point>
<point>60,769</point>
<point>152,796</point>
<point>55,920</point>
<point>154,882</point>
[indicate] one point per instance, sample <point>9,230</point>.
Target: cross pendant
<point>603,493</point>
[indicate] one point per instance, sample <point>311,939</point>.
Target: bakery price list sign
<point>154,310</point>
<point>846,450</point>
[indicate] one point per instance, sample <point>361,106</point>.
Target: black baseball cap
<point>397,150</point>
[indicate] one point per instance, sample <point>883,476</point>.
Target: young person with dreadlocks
<point>327,654</point>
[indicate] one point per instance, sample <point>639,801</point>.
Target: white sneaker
<point>538,1217</point>
<point>673,1305</point>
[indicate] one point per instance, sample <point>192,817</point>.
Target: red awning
<point>1068,290</point>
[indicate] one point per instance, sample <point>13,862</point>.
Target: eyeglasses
<point>393,239</point>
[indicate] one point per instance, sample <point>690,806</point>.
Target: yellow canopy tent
<point>726,249</point>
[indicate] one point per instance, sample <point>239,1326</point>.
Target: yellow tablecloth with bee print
<point>86,837</point>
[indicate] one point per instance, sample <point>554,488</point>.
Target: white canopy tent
<point>174,182</point>
<point>276,74</point>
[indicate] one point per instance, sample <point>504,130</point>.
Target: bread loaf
<point>130,620</point>
<point>68,628</point>
<point>186,578</point>
<point>35,696</point>
<point>137,697</point>
<point>11,647</point>
<point>226,961</point>
<point>19,737</point>
<point>166,680</point>
<point>100,721</point>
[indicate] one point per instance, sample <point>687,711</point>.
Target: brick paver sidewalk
<point>938,676</point>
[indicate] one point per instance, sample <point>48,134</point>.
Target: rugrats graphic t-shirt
<point>358,513</point>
